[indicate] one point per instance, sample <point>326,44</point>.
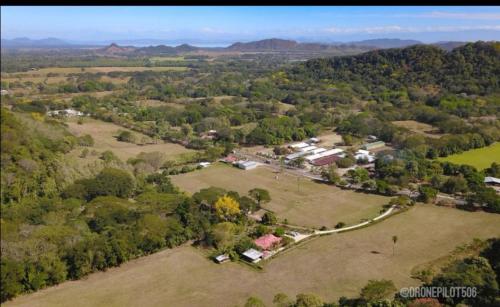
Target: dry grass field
<point>103,134</point>
<point>302,202</point>
<point>328,139</point>
<point>420,128</point>
<point>77,70</point>
<point>330,266</point>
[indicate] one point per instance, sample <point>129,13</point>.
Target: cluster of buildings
<point>243,164</point>
<point>65,112</point>
<point>267,246</point>
<point>319,156</point>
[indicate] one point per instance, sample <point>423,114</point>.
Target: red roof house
<point>267,242</point>
<point>230,159</point>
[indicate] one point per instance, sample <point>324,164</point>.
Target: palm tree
<point>394,240</point>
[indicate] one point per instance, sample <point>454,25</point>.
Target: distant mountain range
<point>266,45</point>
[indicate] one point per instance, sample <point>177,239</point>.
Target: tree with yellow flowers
<point>227,208</point>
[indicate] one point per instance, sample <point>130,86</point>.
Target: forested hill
<point>473,68</point>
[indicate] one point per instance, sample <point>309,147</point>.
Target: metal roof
<point>252,254</point>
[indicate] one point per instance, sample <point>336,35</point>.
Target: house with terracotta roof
<point>267,242</point>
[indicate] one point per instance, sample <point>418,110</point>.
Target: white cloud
<point>401,29</point>
<point>476,16</point>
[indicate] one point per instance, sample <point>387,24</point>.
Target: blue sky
<point>222,25</point>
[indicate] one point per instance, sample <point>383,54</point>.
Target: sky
<point>222,25</point>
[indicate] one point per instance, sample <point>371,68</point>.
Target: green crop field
<point>480,158</point>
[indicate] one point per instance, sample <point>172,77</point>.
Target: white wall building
<point>324,154</point>
<point>247,165</point>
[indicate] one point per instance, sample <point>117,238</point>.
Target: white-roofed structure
<point>246,165</point>
<point>491,180</point>
<point>222,258</point>
<point>364,155</point>
<point>324,154</point>
<point>253,255</point>
<point>317,150</point>
<point>308,148</point>
<point>299,145</point>
<point>296,155</point>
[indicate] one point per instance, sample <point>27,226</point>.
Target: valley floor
<point>330,266</point>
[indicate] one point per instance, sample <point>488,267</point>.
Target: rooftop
<point>252,254</point>
<point>267,241</point>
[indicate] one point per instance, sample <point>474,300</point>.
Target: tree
<point>86,140</point>
<point>108,156</point>
<point>308,300</point>
<point>254,302</point>
<point>394,240</point>
<point>377,290</point>
<point>299,162</point>
<point>427,194</point>
<point>358,175</point>
<point>455,184</point>
<point>470,272</point>
<point>12,274</point>
<point>110,181</point>
<point>260,195</point>
<point>269,218</point>
<point>227,208</point>
<point>126,136</point>
<point>282,300</point>
<point>347,139</point>
<point>224,235</point>
<point>345,162</point>
<point>330,174</point>
<point>186,130</point>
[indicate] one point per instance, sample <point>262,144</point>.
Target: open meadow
<point>300,201</point>
<point>480,158</point>
<point>104,133</point>
<point>330,266</point>
<point>419,128</point>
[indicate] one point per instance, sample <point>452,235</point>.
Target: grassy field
<point>302,201</point>
<point>78,70</point>
<point>330,266</point>
<point>103,134</point>
<point>168,58</point>
<point>480,158</point>
<point>420,128</point>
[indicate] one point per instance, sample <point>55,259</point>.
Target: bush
<point>279,232</point>
<point>345,162</point>
<point>339,225</point>
<point>86,140</point>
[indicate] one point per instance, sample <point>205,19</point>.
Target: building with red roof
<point>267,242</point>
<point>325,160</point>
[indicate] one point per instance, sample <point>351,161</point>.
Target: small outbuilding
<point>204,164</point>
<point>313,140</point>
<point>222,258</point>
<point>492,181</point>
<point>253,255</point>
<point>247,165</point>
